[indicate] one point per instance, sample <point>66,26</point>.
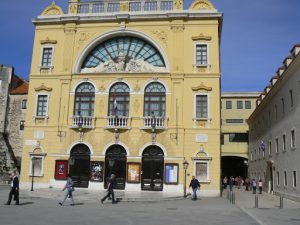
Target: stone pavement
<point>268,211</point>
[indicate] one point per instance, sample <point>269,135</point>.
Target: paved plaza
<point>41,207</point>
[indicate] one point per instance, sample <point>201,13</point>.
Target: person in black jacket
<point>195,185</point>
<point>14,190</point>
<point>110,190</point>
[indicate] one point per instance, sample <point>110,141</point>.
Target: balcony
<point>82,122</point>
<point>110,6</point>
<point>151,122</point>
<point>117,122</point>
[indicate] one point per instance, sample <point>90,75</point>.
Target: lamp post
<point>153,126</point>
<point>80,124</point>
<point>185,166</point>
<point>32,172</point>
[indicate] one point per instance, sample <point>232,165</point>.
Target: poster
<point>61,169</point>
<point>171,174</point>
<point>96,171</point>
<point>133,172</point>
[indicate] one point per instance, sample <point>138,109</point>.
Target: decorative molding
<point>177,28</point>
<point>202,87</point>
<point>162,35</point>
<point>43,88</point>
<point>201,36</point>
<point>83,37</point>
<point>48,41</point>
<point>201,5</point>
<point>178,4</point>
<point>73,6</point>
<point>124,6</point>
<point>53,9</point>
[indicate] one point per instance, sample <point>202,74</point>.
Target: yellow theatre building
<point>125,87</point>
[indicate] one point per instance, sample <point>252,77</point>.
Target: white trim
<point>36,103</point>
<point>114,143</point>
<point>208,169</point>
<point>208,105</point>
<point>285,178</point>
<point>84,81</point>
<point>293,178</point>
<point>115,33</point>
<point>277,144</point>
<point>270,147</point>
<point>42,54</point>
<point>80,142</point>
<point>30,166</point>
<point>158,81</point>
<point>150,144</point>
<point>119,81</point>
<point>293,147</point>
<point>284,142</point>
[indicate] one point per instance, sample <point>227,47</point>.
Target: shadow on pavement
<point>26,203</point>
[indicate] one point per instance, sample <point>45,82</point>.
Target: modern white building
<point>274,127</point>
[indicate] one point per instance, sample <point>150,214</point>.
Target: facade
<point>236,107</point>
<point>12,88</point>
<point>129,88</point>
<point>274,127</point>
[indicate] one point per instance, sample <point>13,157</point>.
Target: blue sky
<point>257,35</point>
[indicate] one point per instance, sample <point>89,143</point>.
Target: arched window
<point>84,100</point>
<point>119,100</point>
<point>155,100</point>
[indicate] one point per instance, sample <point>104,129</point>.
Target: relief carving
<point>178,4</point>
<point>177,28</point>
<point>202,87</point>
<point>162,35</point>
<point>53,9</point>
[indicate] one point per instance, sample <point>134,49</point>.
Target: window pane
<point>201,106</point>
<point>228,105</point>
<point>201,171</point>
<point>201,54</point>
<point>47,57</point>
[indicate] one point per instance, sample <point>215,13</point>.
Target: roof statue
<point>201,5</point>
<point>53,9</point>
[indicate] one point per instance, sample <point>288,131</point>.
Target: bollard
<point>256,202</point>
<point>280,202</point>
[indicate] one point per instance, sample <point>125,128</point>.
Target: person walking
<point>254,186</point>
<point>225,180</point>
<point>69,188</point>
<point>14,189</point>
<point>260,184</point>
<point>110,190</point>
<point>195,184</point>
<point>231,183</point>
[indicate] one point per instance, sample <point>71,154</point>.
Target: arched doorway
<point>152,168</point>
<point>115,163</point>
<point>80,159</point>
<point>234,166</point>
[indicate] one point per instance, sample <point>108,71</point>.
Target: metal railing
<point>99,7</point>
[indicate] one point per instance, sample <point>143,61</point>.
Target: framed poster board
<point>61,169</point>
<point>133,172</point>
<point>171,174</point>
<point>97,171</point>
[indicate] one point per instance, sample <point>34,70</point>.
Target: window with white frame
<point>47,56</point>
<point>270,147</point>
<point>42,105</point>
<point>202,170</point>
<point>201,54</point>
<point>201,106</point>
<point>277,178</point>
<point>36,166</point>
<point>294,178</point>
<point>293,144</point>
<point>285,178</point>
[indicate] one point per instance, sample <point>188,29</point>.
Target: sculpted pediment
<point>43,88</point>
<point>202,87</point>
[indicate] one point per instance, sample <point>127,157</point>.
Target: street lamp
<point>32,171</point>
<point>80,124</point>
<point>185,166</point>
<point>111,163</point>
<point>153,127</point>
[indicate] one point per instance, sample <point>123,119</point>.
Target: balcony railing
<point>154,122</point>
<point>82,121</point>
<point>105,6</point>
<point>117,122</point>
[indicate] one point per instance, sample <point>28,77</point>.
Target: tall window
<point>294,179</point>
<point>47,56</point>
<point>155,100</point>
<point>291,98</point>
<point>282,105</point>
<point>201,106</point>
<point>283,142</point>
<point>270,147</point>
<point>239,104</point>
<point>201,54</point>
<point>248,104</point>
<point>293,144</point>
<point>24,104</point>
<point>202,171</point>
<point>278,178</point>
<point>228,105</point>
<point>285,178</point>
<point>119,100</point>
<point>276,145</point>
<point>36,166</point>
<point>42,105</point>
<point>84,100</point>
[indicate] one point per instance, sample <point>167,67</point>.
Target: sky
<point>257,35</point>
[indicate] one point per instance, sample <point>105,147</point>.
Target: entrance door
<point>80,168</point>
<point>152,169</point>
<point>115,163</point>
